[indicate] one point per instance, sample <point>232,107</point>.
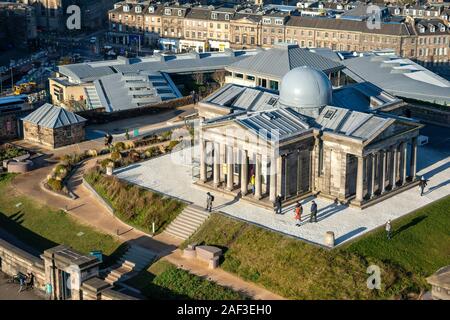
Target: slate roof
<point>399,29</point>
<point>400,77</point>
<point>52,117</point>
<point>279,60</point>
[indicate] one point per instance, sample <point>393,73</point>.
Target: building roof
<point>52,117</point>
<point>122,91</point>
<point>400,77</point>
<point>174,63</point>
<point>278,61</point>
<point>395,29</point>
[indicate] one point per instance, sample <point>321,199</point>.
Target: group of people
<point>26,282</point>
<point>298,211</point>
<point>195,97</point>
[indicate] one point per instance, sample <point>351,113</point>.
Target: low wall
<point>98,116</point>
<point>14,260</point>
<point>98,197</point>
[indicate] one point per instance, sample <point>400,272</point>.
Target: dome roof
<point>305,88</point>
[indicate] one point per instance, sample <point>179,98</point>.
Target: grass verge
<point>41,227</point>
<point>163,281</point>
<point>134,205</point>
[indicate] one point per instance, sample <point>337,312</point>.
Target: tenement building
<point>308,139</point>
<point>184,27</point>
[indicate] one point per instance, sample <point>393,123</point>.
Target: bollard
<point>329,239</point>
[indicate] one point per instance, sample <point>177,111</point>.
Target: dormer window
<point>151,9</point>
<point>227,17</point>
<point>214,15</point>
<point>420,12</point>
<point>421,29</point>
<point>126,8</point>
<point>441,27</point>
<point>397,11</point>
<point>432,28</point>
<point>117,6</point>
<point>267,21</point>
<point>279,22</point>
<point>167,12</point>
<point>138,9</point>
<point>180,13</point>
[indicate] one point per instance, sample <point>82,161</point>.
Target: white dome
<point>306,89</point>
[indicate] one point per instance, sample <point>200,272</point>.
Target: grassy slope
<point>42,228</point>
<point>420,243</point>
<point>294,269</point>
<point>134,205</point>
<point>164,281</point>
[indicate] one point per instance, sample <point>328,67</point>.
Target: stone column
<point>230,173</point>
<point>216,173</point>
<point>202,160</point>
<point>279,164</point>
<point>413,163</point>
<point>258,182</point>
<point>244,173</point>
<point>373,157</point>
<point>394,167</point>
<point>383,159</point>
<point>405,159</point>
<point>359,179</point>
<point>273,180</point>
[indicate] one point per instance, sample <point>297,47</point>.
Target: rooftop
<point>52,117</point>
<point>282,58</point>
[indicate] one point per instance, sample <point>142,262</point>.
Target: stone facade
<point>54,138</point>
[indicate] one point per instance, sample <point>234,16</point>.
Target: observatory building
<point>307,139</point>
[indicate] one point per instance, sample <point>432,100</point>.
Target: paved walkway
<point>10,291</point>
<point>170,177</point>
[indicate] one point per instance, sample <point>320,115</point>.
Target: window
<point>214,15</point>
<point>138,9</point>
<point>180,13</point>
<point>321,167</point>
<point>151,9</point>
<point>267,21</point>
<point>167,12</point>
<point>279,22</point>
<point>250,77</point>
<point>227,17</point>
<point>239,75</point>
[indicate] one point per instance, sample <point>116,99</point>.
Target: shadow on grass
<point>410,224</point>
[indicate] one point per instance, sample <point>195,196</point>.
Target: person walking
<point>252,182</point>
<point>209,201</point>
<point>313,217</point>
<point>388,228</point>
<point>422,184</point>
<point>298,213</point>
<point>278,204</point>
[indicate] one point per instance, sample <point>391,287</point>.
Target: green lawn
<point>420,243</point>
<point>42,227</point>
<point>163,281</point>
<point>297,270</point>
<point>135,205</point>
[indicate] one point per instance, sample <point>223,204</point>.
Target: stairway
<point>187,222</point>
<point>134,260</point>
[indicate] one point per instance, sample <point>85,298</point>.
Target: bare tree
<point>198,77</point>
<point>219,77</point>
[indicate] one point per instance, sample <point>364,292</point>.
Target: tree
<point>219,77</point>
<point>198,77</point>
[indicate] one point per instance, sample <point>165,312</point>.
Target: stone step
<point>188,224</point>
<point>192,218</point>
<point>178,234</point>
<point>181,227</point>
<point>194,212</point>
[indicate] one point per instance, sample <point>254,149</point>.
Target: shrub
<point>55,185</point>
<point>9,151</point>
<point>165,136</point>
<point>152,151</point>
<point>115,156</point>
<point>119,146</point>
<point>172,145</point>
<point>106,162</point>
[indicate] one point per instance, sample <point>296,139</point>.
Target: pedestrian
<point>388,228</point>
<point>252,182</point>
<point>278,204</point>
<point>313,217</point>
<point>22,282</point>
<point>298,213</point>
<point>209,201</point>
<point>422,184</point>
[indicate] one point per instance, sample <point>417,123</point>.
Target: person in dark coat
<point>209,201</point>
<point>313,216</point>
<point>278,204</point>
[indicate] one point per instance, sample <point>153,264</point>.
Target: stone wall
<point>54,138</point>
<point>14,260</point>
